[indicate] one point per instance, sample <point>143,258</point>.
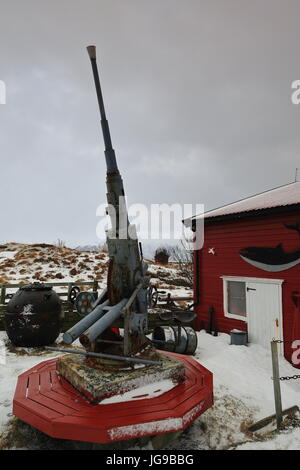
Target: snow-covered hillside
<point>42,262</point>
<point>50,263</point>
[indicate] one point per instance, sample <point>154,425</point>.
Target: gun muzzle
<point>110,156</point>
<point>92,52</point>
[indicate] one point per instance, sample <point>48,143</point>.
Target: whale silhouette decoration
<point>272,259</point>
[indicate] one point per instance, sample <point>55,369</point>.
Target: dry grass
<point>19,351</point>
<point>19,435</point>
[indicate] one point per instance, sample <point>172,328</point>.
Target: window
<point>235,299</point>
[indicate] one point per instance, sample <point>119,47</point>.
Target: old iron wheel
<point>73,294</point>
<point>84,302</point>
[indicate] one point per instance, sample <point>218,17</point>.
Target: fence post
<point>2,295</point>
<point>69,310</point>
<point>276,383</point>
<point>95,285</point>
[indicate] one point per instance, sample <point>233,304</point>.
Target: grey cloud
<point>197,94</point>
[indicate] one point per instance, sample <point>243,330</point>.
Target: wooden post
<point>69,310</point>
<point>276,383</point>
<point>2,307</point>
<point>2,296</point>
<point>95,285</point>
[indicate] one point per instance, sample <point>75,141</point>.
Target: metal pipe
<point>109,151</point>
<point>73,333</point>
<point>133,296</point>
<point>115,188</point>
<point>100,298</point>
<point>106,356</point>
<point>167,299</point>
<point>102,324</point>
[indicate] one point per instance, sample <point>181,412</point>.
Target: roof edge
<point>245,214</point>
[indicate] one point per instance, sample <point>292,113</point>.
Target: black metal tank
<point>33,316</point>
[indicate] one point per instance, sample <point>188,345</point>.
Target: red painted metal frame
<point>50,404</point>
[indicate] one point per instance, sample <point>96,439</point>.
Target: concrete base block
<point>97,384</point>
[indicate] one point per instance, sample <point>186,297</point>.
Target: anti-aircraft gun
<point>127,281</point>
<point>77,396</point>
<point>125,297</point>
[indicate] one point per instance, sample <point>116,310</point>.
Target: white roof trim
<point>286,195</point>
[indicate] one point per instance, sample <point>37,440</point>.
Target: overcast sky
<point>198,97</point>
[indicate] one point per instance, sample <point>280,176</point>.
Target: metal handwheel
<point>84,302</point>
<point>73,294</point>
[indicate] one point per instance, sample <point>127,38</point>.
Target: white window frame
<point>246,280</point>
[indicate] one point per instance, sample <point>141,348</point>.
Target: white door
<point>263,312</point>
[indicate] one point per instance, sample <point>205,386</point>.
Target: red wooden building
<point>247,275</point>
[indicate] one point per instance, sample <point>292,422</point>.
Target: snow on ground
<point>7,255</point>
<point>11,366</point>
<point>287,440</point>
<point>243,392</point>
<point>242,387</point>
<point>151,390</point>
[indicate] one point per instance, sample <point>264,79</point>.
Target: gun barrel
<point>73,333</point>
<point>102,324</point>
<point>110,156</point>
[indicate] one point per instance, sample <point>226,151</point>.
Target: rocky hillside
<point>21,263</point>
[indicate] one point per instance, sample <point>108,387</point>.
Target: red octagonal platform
<point>49,403</point>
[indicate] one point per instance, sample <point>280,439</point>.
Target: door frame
<point>261,280</point>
